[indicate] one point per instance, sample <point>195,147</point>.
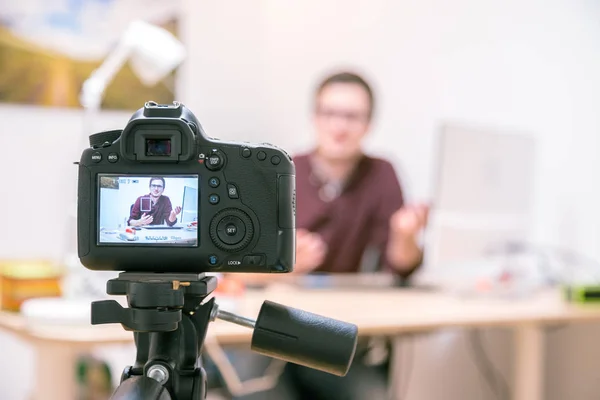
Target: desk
<point>384,312</point>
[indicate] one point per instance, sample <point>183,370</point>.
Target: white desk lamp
<point>152,52</point>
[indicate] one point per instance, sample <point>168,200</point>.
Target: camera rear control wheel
<point>231,229</point>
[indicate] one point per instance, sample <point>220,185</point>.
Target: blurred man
<point>349,203</point>
<point>351,215</point>
<point>153,208</point>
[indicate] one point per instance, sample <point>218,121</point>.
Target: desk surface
<point>381,312</point>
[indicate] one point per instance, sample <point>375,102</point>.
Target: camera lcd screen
<point>148,210</point>
<point>158,147</point>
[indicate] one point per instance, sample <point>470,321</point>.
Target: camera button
<point>252,260</point>
<point>214,161</point>
<point>231,229</point>
<point>214,182</point>
<point>232,191</point>
<point>275,160</point>
<point>213,260</point>
<point>96,156</point>
<point>213,199</point>
<point>261,155</point>
<point>246,152</point>
<point>113,157</point>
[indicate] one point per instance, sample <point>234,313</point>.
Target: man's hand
<point>310,251</point>
<point>144,220</point>
<point>406,224</point>
<point>174,214</point>
<point>409,221</point>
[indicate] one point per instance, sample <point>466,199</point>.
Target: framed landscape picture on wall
<point>48,48</point>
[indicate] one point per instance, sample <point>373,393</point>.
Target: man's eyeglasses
<point>350,116</point>
<point>156,186</point>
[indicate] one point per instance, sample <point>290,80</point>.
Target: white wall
<point>40,146</point>
<point>524,64</point>
<point>516,65</point>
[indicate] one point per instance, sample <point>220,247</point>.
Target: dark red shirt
<point>355,225</point>
<point>159,211</point>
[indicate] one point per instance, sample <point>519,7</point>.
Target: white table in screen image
<point>152,234</point>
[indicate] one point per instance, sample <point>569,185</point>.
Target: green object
<point>94,379</point>
<point>581,293</point>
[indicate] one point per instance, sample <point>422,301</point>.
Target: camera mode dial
<point>99,139</point>
<point>231,229</point>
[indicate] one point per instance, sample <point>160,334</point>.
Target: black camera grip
<point>304,338</point>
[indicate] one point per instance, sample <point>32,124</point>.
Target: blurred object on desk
<point>229,292</point>
<point>582,294</point>
<point>354,281</point>
<point>80,283</point>
<point>22,280</point>
<point>94,379</point>
<point>513,269</point>
<point>47,312</point>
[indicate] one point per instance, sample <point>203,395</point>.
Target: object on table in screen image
<point>145,204</point>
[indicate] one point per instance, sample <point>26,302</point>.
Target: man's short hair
<point>157,178</point>
<point>349,78</point>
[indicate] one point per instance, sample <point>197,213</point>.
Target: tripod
<point>169,317</point>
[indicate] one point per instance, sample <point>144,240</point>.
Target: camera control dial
<point>231,229</point>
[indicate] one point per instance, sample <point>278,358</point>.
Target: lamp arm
<point>93,88</point>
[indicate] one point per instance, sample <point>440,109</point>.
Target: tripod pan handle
<point>305,338</point>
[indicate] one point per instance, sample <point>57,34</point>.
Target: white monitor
<point>189,209</point>
<point>483,193</point>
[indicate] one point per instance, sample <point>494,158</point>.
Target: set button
<point>231,230</point>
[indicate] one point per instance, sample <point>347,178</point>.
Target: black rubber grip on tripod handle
<point>305,338</point>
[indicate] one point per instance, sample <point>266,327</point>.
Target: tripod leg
<point>142,344</point>
<point>141,388</point>
<point>200,385</point>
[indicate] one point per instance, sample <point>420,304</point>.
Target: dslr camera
<point>164,204</point>
<point>162,196</point>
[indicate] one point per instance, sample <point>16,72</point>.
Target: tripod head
<point>169,316</point>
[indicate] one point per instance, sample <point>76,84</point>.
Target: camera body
<point>161,196</point>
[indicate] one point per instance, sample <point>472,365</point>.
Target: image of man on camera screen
<point>153,208</point>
